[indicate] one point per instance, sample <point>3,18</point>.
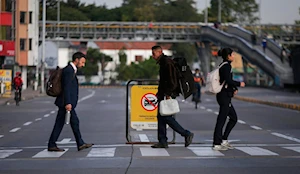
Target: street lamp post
<point>43,48</point>
<point>206,13</point>
<point>219,10</point>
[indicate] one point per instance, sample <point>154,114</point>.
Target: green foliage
<point>186,50</point>
<point>142,70</point>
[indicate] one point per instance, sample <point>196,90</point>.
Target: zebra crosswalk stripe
<point>256,151</point>
<point>148,151</point>
<point>205,151</point>
<point>296,149</point>
<point>46,154</point>
<point>102,152</point>
<point>7,153</point>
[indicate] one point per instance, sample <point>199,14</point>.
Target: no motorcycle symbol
<point>149,102</point>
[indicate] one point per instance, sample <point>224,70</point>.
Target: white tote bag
<point>168,107</point>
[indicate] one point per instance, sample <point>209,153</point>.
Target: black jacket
<point>226,75</point>
<point>168,84</point>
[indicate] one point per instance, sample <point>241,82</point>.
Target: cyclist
<point>199,80</point>
<point>17,86</point>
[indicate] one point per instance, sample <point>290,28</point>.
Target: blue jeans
<point>59,124</point>
<point>162,127</point>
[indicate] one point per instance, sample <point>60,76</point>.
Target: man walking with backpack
<point>167,88</point>
<point>67,101</point>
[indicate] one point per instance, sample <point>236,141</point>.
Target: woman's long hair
<point>225,52</point>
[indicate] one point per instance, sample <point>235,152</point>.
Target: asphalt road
<point>266,139</point>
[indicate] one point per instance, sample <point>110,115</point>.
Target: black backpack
<point>186,86</point>
<point>53,86</point>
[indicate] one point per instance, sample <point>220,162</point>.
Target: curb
<point>12,101</point>
<point>277,104</point>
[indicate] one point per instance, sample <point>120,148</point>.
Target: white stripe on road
<point>146,151</point>
<point>46,154</point>
<point>38,119</point>
<point>47,115</point>
<point>296,149</point>
<point>209,110</point>
<point>286,137</point>
<point>143,138</point>
<point>87,97</point>
<point>27,123</point>
<point>15,129</point>
<point>52,112</point>
<point>217,113</point>
<point>256,127</point>
<point>241,122</point>
<point>1,136</point>
<point>205,151</point>
<point>202,107</point>
<point>256,151</point>
<point>102,152</point>
<point>7,153</point>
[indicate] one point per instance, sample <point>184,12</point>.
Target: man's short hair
<point>77,55</point>
<point>156,47</point>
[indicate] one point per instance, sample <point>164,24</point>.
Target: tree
<point>241,11</point>
<point>186,50</point>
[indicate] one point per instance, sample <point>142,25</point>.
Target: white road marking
<point>15,129</point>
<point>205,151</point>
<point>208,100</point>
<point>1,136</point>
<point>148,151</point>
<point>286,137</point>
<point>27,123</point>
<point>103,101</point>
<point>102,152</point>
<point>143,138</point>
<point>256,127</point>
<point>38,119</point>
<point>46,115</point>
<point>46,154</point>
<point>217,113</point>
<point>241,122</point>
<point>296,149</point>
<point>7,153</point>
<point>87,97</point>
<point>65,141</point>
<point>202,107</point>
<point>209,110</point>
<point>52,112</point>
<point>256,151</point>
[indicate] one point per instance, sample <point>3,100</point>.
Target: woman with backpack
<point>229,89</point>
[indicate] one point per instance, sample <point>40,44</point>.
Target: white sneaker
<point>225,143</point>
<point>219,147</point>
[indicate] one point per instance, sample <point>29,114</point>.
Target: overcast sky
<point>272,11</point>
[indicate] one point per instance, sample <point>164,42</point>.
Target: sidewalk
<point>27,94</point>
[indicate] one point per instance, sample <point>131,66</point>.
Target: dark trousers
<point>226,109</point>
<point>59,124</point>
<point>197,93</point>
<point>162,127</point>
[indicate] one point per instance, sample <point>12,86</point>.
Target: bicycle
<point>17,97</point>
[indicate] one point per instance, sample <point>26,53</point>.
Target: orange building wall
<point>21,32</point>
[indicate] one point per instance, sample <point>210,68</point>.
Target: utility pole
<point>43,49</point>
<point>219,10</point>
<point>206,13</point>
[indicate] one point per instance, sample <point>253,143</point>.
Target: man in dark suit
<point>67,101</point>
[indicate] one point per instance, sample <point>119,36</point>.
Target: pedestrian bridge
<point>229,35</point>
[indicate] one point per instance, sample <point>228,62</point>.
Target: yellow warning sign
<point>6,78</point>
<point>143,107</point>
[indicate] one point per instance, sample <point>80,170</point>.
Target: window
<point>22,44</point>
<point>30,44</point>
<point>138,58</point>
<point>22,17</point>
<point>30,17</point>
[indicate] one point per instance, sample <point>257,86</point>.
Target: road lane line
<point>209,110</point>
<point>7,153</point>
<point>46,115</point>
<point>148,151</point>
<point>87,97</point>
<point>27,123</point>
<point>38,119</point>
<point>256,127</point>
<point>296,149</point>
<point>15,129</point>
<point>286,137</point>
<point>241,122</point>
<point>1,136</point>
<point>143,138</point>
<point>52,112</point>
<point>256,151</point>
<point>46,154</point>
<point>205,151</point>
<point>102,152</point>
<point>217,113</point>
<point>202,107</point>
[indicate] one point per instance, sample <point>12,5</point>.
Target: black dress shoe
<point>85,146</point>
<point>159,145</point>
<point>55,149</point>
<point>188,139</point>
